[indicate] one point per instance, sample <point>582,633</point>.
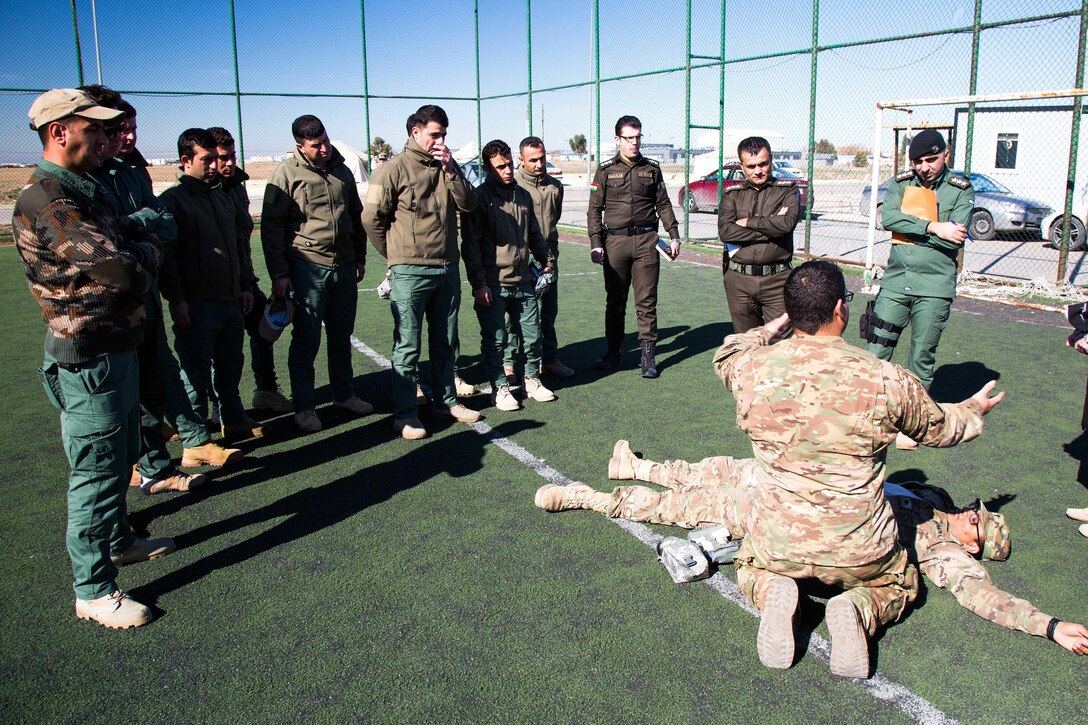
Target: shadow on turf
<point>1078,451</point>
<point>954,383</point>
<point>315,508</point>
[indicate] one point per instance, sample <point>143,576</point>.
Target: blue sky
<point>427,50</point>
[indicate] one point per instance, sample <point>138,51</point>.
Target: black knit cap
<point>926,143</point>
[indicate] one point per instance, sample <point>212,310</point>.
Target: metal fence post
<point>479,105</point>
<point>812,123</point>
<point>529,58</point>
<point>79,52</point>
<point>237,90</point>
<point>687,121</point>
<point>366,91</point>
<point>1074,143</point>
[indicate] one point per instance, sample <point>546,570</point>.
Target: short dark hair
<point>103,96</point>
<point>426,114</point>
<point>812,291</point>
<point>307,126</point>
<point>753,145</point>
<point>532,142</point>
<point>190,138</point>
<point>222,136</point>
<point>631,121</point>
<point>128,108</point>
<point>495,148</point>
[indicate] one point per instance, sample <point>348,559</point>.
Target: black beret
<point>926,143</point>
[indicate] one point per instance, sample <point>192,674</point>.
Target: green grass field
<point>353,576</point>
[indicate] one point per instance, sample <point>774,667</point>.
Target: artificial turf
<point>351,575</point>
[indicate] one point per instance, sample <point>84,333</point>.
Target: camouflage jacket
<point>87,267</point>
<point>821,414</point>
<point>925,533</point>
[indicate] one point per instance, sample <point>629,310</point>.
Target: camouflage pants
<point>677,475</point>
<point>880,590</point>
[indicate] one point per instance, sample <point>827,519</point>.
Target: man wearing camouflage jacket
<point>942,540</point>
<point>820,414</point>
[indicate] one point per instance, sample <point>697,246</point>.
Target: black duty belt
<point>760,270</point>
<point>631,231</point>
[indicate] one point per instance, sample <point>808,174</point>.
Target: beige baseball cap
<point>63,102</point>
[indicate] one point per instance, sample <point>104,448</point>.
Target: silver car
<point>997,210</point>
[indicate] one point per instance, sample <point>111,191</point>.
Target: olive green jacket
<point>547,194</point>
<point>926,266</point>
<point>411,209</point>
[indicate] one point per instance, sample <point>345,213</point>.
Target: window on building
<point>1006,150</point>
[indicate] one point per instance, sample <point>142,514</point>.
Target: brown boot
<point>210,454</point>
<point>575,495</point>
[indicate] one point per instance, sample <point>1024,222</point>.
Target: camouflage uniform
<point>821,414</point>
<point>88,269</point>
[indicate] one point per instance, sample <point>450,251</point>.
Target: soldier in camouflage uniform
<point>821,414</point>
<point>940,539</point>
<point>88,269</point>
<point>920,282</point>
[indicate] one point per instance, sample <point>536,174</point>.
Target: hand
<point>742,222</point>
<point>360,271</point>
<point>443,156</point>
<point>1078,342</point>
<point>675,249</point>
<point>546,270</point>
<point>983,398</point>
<point>597,255</point>
<point>179,312</point>
<point>775,326</point>
<point>483,296</point>
<point>281,286</point>
<point>1072,636</point>
<point>948,231</point>
<point>247,302</point>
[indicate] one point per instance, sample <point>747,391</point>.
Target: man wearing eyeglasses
<point>821,414</point>
<point>944,541</point>
<point>627,198</point>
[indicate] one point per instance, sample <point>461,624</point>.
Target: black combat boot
<point>609,361</point>
<point>649,364</point>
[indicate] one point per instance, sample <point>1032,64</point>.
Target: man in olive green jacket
<point>314,244</point>
<point>411,219</point>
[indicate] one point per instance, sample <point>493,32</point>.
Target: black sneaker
<point>609,361</point>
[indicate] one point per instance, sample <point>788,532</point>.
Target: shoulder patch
<point>959,182</point>
<point>785,182</point>
<point>905,175</point>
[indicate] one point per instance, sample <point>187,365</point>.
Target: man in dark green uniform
<point>755,224</point>
<point>920,282</point>
<point>626,199</point>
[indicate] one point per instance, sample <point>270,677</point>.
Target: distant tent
<point>467,152</point>
<point>355,160</point>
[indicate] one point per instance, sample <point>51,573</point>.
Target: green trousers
<point>322,295</point>
<point>926,317</point>
<point>549,343</point>
<point>414,298</point>
<point>100,429</point>
<point>520,304</point>
<point>163,398</point>
<point>213,339</point>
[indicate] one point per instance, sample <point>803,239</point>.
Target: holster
<point>868,323</point>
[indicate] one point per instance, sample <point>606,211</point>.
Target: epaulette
<point>606,164</point>
<point>785,182</point>
<point>652,161</point>
<point>959,182</point>
<point>735,187</point>
<point>905,175</point>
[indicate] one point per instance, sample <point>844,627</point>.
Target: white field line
<point>878,686</point>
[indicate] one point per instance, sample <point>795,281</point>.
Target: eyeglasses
<point>974,507</point>
<point>115,130</point>
<point>632,139</point>
<point>848,297</point>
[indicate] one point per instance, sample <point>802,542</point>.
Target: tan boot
<point>776,642</point>
<point>536,390</point>
<point>409,428</point>
<point>575,495</point>
<point>849,645</point>
<point>905,442</point>
<point>463,388</point>
<point>176,481</point>
<point>135,479</point>
<point>1077,514</point>
<point>245,428</point>
<point>210,454</point>
<point>144,550</point>
<point>115,611</point>
<point>459,413</point>
<point>621,466</point>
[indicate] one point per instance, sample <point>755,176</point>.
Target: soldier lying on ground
<point>944,541</point>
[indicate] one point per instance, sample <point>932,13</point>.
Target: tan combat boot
<point>459,413</point>
<point>575,495</point>
<point>624,465</point>
<point>144,550</point>
<point>210,454</point>
<point>536,390</point>
<point>176,481</point>
<point>115,611</point>
<point>849,645</point>
<point>775,642</point>
<point>463,388</point>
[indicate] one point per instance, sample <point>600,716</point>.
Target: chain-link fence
<point>700,74</point>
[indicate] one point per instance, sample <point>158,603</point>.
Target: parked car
<point>554,170</point>
<point>1052,225</point>
<point>472,171</point>
<point>996,210</point>
<point>787,166</point>
<point>702,195</point>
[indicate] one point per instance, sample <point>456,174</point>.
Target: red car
<point>702,195</point>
